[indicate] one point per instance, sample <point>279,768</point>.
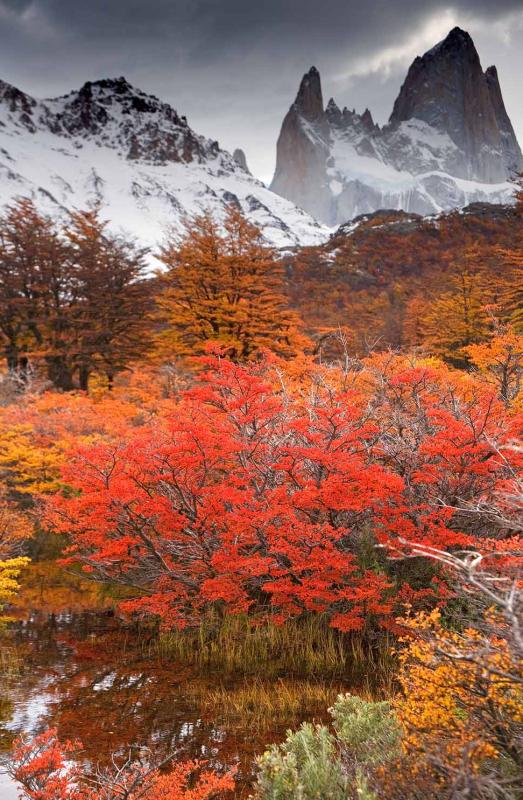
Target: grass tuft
<point>262,704</point>
<point>305,647</point>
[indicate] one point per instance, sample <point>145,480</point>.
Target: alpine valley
<point>261,448</point>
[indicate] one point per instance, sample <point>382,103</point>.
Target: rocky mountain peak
<point>111,113</point>
<point>456,40</point>
<point>113,97</point>
<point>447,89</point>
<point>14,98</point>
<point>449,140</point>
<point>367,120</point>
<point>241,159</point>
<point>17,105</point>
<point>333,113</point>
<point>309,100</point>
<point>112,143</point>
<point>438,83</point>
<point>114,85</point>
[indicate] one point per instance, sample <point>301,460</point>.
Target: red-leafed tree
<point>254,498</point>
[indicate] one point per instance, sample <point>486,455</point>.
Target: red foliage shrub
<point>43,768</point>
<point>247,495</point>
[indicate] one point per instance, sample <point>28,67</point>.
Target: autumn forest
<point>262,509</point>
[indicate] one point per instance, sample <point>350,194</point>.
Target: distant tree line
<point>441,283</point>
<point>78,300</point>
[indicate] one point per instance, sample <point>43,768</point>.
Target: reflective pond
<point>95,679</point>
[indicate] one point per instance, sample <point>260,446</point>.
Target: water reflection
<point>86,674</point>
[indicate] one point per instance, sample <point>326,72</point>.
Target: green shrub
<point>367,731</point>
<point>314,764</point>
<point>304,767</point>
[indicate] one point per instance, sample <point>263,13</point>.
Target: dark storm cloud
<point>233,66</point>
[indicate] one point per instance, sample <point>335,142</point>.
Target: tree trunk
<point>83,376</point>
<point>12,355</point>
<point>59,373</point>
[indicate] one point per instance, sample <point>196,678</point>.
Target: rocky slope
<point>112,143</point>
<point>378,275</point>
<point>448,142</point>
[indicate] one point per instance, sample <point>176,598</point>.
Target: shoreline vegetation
<point>237,644</point>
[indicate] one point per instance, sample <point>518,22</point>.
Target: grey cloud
<point>232,66</point>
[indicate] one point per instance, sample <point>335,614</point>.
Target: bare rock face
<point>140,125</point>
<point>509,143</point>
<point>447,89</point>
<point>449,140</point>
<point>309,100</point>
<point>241,159</point>
<point>303,150</point>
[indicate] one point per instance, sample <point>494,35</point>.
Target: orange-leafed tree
<point>461,702</point>
<point>15,528</point>
<point>37,432</point>
<point>224,284</point>
<point>459,317</point>
<point>500,359</point>
<point>111,316</point>
<point>512,296</point>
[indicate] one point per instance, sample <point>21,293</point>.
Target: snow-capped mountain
<point>112,143</point>
<point>448,142</point>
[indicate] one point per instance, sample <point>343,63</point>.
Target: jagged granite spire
<point>447,89</point>
<point>309,100</point>
<point>512,149</point>
<point>367,121</point>
<point>300,160</point>
<point>241,159</point>
<point>332,111</point>
<point>436,82</point>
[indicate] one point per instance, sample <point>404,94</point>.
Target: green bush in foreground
<point>305,767</point>
<point>315,764</point>
<point>368,732</point>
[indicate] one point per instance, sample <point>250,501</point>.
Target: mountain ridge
<point>111,143</point>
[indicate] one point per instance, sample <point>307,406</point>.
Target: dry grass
<point>235,643</point>
<point>10,663</point>
<point>299,648</point>
<point>264,704</point>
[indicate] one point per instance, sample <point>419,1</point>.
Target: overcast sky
<point>233,66</point>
